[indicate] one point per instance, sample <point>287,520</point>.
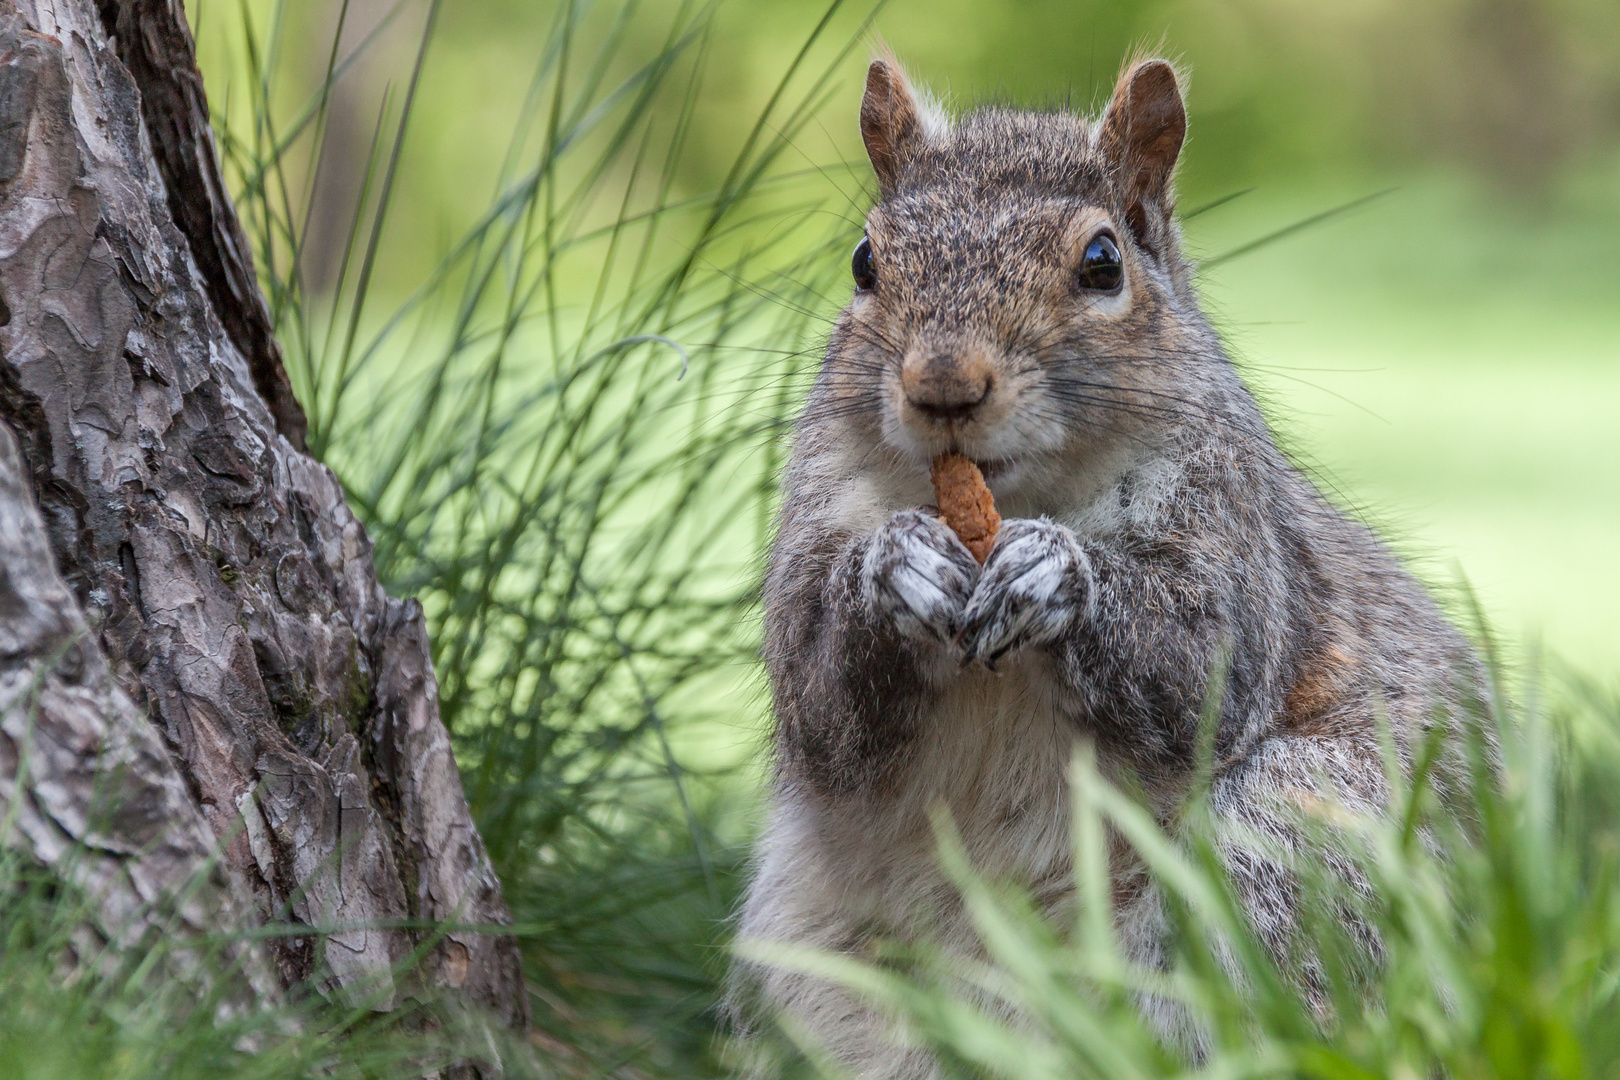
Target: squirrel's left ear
<point>893,121</point>
<point>1141,136</point>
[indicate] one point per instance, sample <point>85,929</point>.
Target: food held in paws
<point>965,503</point>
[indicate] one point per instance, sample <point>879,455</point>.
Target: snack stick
<point>965,503</point>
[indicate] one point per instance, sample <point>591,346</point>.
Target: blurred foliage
<point>1283,92</point>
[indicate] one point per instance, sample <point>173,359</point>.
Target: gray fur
<point>1037,587</point>
<point>917,577</point>
<point>1154,532</point>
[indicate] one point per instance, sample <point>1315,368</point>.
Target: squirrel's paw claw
<point>1034,586</point>
<point>917,577</point>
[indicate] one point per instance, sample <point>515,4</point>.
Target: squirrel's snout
<point>947,386</point>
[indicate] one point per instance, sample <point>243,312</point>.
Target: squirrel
<point>1021,297</point>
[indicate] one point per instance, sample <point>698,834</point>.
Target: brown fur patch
<point>1319,688</point>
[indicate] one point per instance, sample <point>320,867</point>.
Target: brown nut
<point>965,503</point>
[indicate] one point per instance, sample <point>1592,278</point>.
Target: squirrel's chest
<point>994,752</point>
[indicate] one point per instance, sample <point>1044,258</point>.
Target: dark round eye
<point>861,266</point>
<point>1102,270</point>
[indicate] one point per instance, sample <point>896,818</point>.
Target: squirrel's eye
<point>861,266</point>
<point>1101,269</point>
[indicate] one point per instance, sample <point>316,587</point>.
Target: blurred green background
<point>1447,356</point>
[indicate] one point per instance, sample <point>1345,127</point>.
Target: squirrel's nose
<point>947,387</point>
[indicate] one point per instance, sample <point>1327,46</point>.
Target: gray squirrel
<point>1021,298</point>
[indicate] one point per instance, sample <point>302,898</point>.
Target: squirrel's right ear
<point>891,122</point>
<point>1141,135</point>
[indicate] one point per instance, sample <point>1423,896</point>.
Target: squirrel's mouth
<point>993,467</point>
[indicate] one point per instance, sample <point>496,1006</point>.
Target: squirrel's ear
<point>1142,132</point>
<point>891,123</point>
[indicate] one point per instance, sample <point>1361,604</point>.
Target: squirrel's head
<point>1020,295</point>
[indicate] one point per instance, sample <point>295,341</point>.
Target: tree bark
<point>195,653</point>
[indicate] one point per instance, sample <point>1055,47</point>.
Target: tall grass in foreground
<point>564,442</point>
<point>73,1007</point>
<point>1498,916</point>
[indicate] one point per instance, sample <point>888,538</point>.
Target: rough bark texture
<point>153,40</point>
<point>68,730</point>
<point>184,593</point>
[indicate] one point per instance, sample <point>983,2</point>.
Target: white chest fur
<point>994,754</point>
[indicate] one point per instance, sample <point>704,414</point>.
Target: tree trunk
<point>194,648</point>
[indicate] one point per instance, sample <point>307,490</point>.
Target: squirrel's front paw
<point>917,576</point>
<point>1035,585</point>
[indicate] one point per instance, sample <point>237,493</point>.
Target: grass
<point>166,1007</point>
<point>562,438</point>
<point>563,442</point>
<point>1498,917</point>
